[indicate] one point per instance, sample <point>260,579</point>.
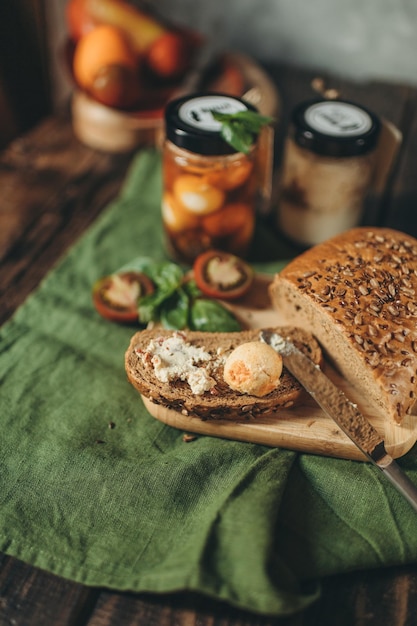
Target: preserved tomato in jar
<point>209,189</point>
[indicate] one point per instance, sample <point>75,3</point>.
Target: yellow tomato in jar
<point>230,177</point>
<point>228,220</point>
<point>175,218</point>
<point>171,171</point>
<point>196,195</point>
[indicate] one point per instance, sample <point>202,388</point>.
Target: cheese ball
<point>175,218</point>
<point>196,195</point>
<point>253,368</point>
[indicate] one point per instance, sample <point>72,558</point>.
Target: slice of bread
<point>357,293</point>
<point>220,402</point>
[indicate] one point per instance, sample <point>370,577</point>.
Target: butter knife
<point>345,413</point>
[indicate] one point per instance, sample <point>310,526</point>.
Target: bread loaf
<point>218,401</point>
<point>357,293</point>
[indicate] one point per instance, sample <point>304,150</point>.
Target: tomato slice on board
<point>222,275</point>
<point>116,296</point>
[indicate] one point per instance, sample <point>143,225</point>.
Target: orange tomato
<point>196,196</point>
<point>168,56</point>
<point>102,46</point>
<point>170,169</point>
<point>141,28</point>
<point>79,21</point>
<point>228,220</point>
<point>175,218</point>
<point>232,176</point>
<point>240,240</point>
<point>116,86</point>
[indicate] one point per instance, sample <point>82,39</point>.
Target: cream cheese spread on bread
<point>172,358</point>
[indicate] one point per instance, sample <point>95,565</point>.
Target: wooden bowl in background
<point>112,130</point>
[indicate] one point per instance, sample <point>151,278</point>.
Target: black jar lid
<point>337,128</point>
<point>190,125</point>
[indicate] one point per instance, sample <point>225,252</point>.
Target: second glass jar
<point>328,165</point>
<point>209,189</point>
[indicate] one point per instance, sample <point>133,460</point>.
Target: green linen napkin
<point>94,489</point>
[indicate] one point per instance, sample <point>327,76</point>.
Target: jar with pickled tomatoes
<point>209,188</point>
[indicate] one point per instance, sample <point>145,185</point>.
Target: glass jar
<point>328,166</point>
<point>209,189</point>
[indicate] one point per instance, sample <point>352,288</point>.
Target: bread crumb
<point>187,437</point>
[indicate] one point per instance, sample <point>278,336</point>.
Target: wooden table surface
<point>51,189</point>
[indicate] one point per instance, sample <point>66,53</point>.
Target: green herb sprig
<point>177,302</point>
<point>241,129</point>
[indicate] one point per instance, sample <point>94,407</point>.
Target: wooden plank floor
<point>52,188</point>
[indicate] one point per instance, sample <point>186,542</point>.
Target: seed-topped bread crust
<point>220,402</point>
<point>357,293</point>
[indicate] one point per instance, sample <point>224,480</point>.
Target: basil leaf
<point>252,121</point>
<point>190,287</point>
<point>237,136</point>
<point>148,308</point>
<point>211,316</point>
<point>241,129</point>
<point>167,276</point>
<point>174,311</point>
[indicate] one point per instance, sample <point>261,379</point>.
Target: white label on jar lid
<point>339,119</point>
<point>197,111</point>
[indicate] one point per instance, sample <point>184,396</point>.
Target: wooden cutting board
<point>304,428</point>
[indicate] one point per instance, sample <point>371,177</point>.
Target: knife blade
<point>345,413</point>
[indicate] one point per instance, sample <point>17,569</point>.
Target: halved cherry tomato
<point>116,296</point>
<point>222,275</point>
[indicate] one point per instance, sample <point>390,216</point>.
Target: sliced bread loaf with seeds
<point>357,293</point>
<point>184,371</point>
